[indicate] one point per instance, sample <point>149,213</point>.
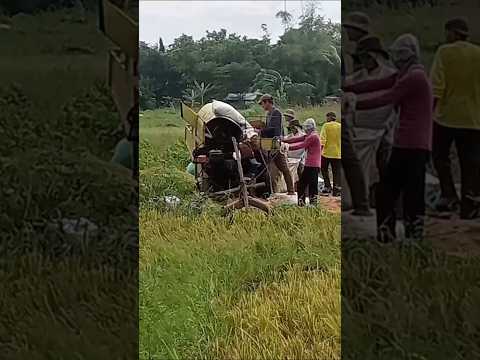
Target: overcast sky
<point>169,19</point>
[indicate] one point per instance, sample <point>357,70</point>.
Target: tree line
<point>349,5</point>
<point>13,7</point>
<point>301,68</point>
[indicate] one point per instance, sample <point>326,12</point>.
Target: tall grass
<point>195,271</point>
<point>208,279</point>
<point>62,297</point>
<point>293,317</point>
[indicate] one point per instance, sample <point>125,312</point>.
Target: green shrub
<point>18,129</point>
<point>90,121</point>
<point>148,156</point>
<point>164,180</point>
<point>177,155</point>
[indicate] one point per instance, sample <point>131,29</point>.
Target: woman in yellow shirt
<point>330,138</point>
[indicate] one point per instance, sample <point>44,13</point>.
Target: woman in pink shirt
<point>309,178</point>
<point>411,92</point>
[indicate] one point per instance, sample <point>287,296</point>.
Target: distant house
<point>328,100</point>
<point>240,100</point>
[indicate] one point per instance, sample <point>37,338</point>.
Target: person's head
<point>405,50</point>
<point>266,102</point>
<point>356,25</point>
<point>309,125</point>
<point>294,126</point>
<point>289,115</point>
<point>370,52</point>
<point>456,30</point>
<point>331,116</point>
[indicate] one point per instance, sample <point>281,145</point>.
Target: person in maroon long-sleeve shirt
<point>412,94</point>
<point>309,177</point>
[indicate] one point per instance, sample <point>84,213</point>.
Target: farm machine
<point>230,159</point>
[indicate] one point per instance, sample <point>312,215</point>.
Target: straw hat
<point>289,113</point>
<point>371,43</point>
<point>357,20</point>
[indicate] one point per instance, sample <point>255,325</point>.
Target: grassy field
<point>163,127</point>
<point>56,145</point>
<point>64,58</point>
<point>243,287</point>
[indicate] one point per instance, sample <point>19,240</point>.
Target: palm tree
<point>285,16</point>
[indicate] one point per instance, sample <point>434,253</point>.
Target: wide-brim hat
<point>371,43</point>
<point>294,123</point>
<point>357,20</point>
<point>289,113</point>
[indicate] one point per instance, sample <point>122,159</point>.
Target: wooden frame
<point>119,28</point>
<point>120,81</point>
<point>122,30</point>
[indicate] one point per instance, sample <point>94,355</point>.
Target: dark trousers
<point>353,170</point>
<point>300,169</point>
<point>381,159</point>
<point>467,142</point>
<point>308,180</point>
<point>405,173</point>
<point>336,165</point>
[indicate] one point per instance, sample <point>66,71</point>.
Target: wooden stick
<point>243,185</point>
<point>235,189</point>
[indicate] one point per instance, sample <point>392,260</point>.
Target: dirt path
<point>329,203</point>
<point>454,236</point>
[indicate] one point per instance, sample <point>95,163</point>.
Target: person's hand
<point>284,148</point>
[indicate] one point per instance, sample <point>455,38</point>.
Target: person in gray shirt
<point>274,128</point>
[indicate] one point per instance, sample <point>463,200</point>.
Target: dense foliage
<point>303,66</point>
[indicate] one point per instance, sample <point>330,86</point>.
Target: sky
<point>169,19</point>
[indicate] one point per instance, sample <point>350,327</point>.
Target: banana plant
<point>202,89</point>
<point>192,95</point>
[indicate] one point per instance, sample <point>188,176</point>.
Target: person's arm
<point>274,126</point>
<point>323,136</point>
<point>437,76</point>
<point>301,144</point>
<point>372,85</point>
<point>294,139</point>
<point>391,97</point>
